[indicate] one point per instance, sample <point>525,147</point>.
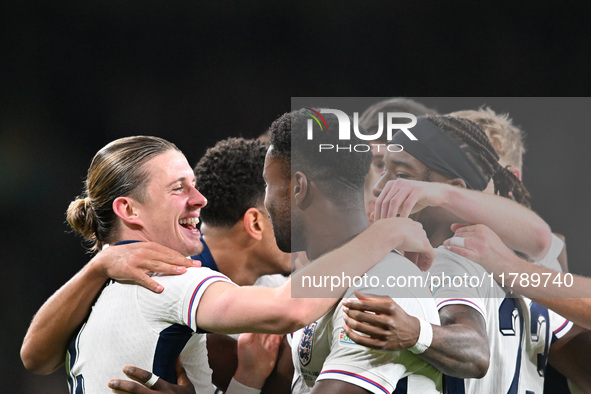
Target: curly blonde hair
<point>505,137</point>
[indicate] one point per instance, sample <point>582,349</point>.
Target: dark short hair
<point>340,173</point>
<point>230,176</point>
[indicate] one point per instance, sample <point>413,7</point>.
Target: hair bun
<point>81,217</point>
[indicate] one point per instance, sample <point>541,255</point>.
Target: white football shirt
<point>519,330</point>
<point>322,350</point>
<point>130,325</point>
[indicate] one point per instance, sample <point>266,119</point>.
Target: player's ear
<point>300,188</point>
<point>126,208</point>
<point>253,223</point>
<point>459,182</point>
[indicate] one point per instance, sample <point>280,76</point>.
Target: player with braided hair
<point>476,144</point>
<point>369,120</point>
<point>507,139</point>
<point>456,154</point>
<point>503,134</point>
<point>468,148</point>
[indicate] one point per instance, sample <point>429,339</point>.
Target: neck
<point>335,227</point>
<point>436,222</point>
<point>126,233</point>
<point>233,253</point>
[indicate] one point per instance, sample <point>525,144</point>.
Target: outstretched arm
<point>520,228</point>
<point>483,246</point>
<point>226,308</point>
<point>44,346</point>
<point>387,326</point>
<point>571,356</point>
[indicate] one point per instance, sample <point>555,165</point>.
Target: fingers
<point>165,268</point>
<point>355,322</point>
<point>409,203</point>
<point>181,375</point>
<point>140,274</point>
<point>365,296</point>
<point>164,253</point>
<point>158,254</point>
<point>144,280</point>
<point>362,316</point>
<point>151,256</point>
<point>128,387</point>
<point>268,342</point>
<point>137,374</point>
<point>363,340</point>
<point>379,306</point>
<point>425,260</point>
<point>422,260</point>
<point>133,262</point>
<point>273,341</point>
<point>391,199</point>
<point>377,213</point>
<point>391,203</point>
<point>456,249</point>
<point>464,251</point>
<point>412,256</point>
<point>381,208</point>
<point>464,227</point>
<point>150,383</point>
<point>400,198</point>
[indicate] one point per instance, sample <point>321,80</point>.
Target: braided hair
<point>470,137</point>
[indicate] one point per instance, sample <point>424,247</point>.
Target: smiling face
<point>277,199</point>
<point>170,213</point>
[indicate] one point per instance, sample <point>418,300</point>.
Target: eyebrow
<point>181,179</point>
<point>400,163</point>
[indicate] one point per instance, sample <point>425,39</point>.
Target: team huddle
<point>196,285</point>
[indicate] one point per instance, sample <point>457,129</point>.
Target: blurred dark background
<point>76,75</point>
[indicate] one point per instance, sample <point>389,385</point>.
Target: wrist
<point>449,193</point>
<point>425,337</point>
<point>249,378</point>
<point>96,270</point>
<point>385,231</point>
<point>235,387</point>
<point>415,326</point>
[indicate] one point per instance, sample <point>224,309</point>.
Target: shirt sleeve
<point>550,260</point>
<point>374,370</point>
<point>559,325</point>
<point>455,280</point>
<point>180,298</point>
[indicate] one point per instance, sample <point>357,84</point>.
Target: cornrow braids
<point>470,137</point>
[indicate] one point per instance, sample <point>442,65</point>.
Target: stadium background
<point>76,75</point>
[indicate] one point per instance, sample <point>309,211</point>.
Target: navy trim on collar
<point>206,258</point>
